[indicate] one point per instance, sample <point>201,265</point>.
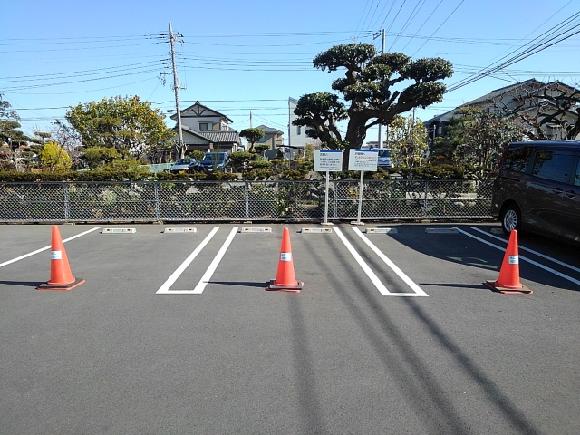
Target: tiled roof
<point>216,136</point>
<point>269,129</point>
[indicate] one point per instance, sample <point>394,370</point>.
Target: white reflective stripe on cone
<point>285,256</point>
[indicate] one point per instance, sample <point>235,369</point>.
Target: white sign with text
<point>327,160</point>
<point>363,160</point>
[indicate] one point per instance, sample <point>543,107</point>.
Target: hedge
<point>257,170</point>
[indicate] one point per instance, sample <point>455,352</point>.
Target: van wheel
<point>511,218</point>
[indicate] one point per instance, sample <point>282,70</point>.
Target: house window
<point>298,130</point>
<point>204,126</point>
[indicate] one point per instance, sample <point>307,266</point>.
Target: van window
<point>577,178</point>
<point>517,159</point>
<point>553,165</point>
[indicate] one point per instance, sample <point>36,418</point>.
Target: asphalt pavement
<point>392,333</point>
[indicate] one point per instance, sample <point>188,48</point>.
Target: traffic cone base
<point>61,287</point>
<point>61,276</point>
<point>287,287</point>
<point>285,276</point>
<point>508,282</point>
<point>523,290</point>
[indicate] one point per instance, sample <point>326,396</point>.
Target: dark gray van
<point>538,188</point>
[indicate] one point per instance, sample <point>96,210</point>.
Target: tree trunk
<point>355,136</point>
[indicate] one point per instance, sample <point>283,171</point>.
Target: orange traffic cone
<point>61,277</point>
<point>285,276</point>
<point>508,281</point>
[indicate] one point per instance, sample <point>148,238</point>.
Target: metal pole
<point>326,187</point>
<point>176,92</point>
<point>290,152</point>
<point>360,200</point>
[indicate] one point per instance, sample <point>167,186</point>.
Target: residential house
<point>525,103</point>
<point>207,129</point>
<point>297,138</point>
<point>270,134</point>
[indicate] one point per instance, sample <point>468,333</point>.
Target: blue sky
<point>59,53</point>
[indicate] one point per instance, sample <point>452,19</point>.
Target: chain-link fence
<point>149,201</point>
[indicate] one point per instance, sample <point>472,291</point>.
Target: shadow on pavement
<point>308,399</point>
<point>239,283</point>
<point>512,414</point>
<point>23,283</point>
<point>415,379</point>
<point>460,249</point>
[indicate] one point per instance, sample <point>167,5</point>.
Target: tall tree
<point>54,157</point>
<point>126,124</point>
<point>375,88</point>
<point>477,138</point>
<point>554,106</point>
<point>407,141</point>
<point>252,135</point>
<point>10,124</point>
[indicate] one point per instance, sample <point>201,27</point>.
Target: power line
<point>371,14</point>
<point>58,76</point>
<point>288,44</point>
<point>416,9</point>
<point>89,90</point>
<point>388,13</point>
<point>441,25</point>
<point>422,24</point>
<point>68,38</point>
<point>368,5</point>
<point>526,50</point>
<point>395,17</point>
<point>108,77</point>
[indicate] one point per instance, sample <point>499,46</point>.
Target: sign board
<point>363,160</point>
<point>327,160</point>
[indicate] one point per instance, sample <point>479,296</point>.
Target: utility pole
<point>290,152</point>
<point>172,39</point>
<point>382,34</point>
<point>250,119</point>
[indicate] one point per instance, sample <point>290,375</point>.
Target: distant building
<point>297,138</point>
<point>525,98</point>
<point>270,134</point>
<point>204,129</point>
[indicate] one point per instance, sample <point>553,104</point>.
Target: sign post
<point>327,160</point>
<point>362,160</point>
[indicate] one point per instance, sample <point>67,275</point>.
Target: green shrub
<point>260,164</point>
<point>55,158</point>
<point>95,156</point>
<point>195,154</point>
<point>258,174</point>
<point>241,159</point>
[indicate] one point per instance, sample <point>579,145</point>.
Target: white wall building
<point>297,138</point>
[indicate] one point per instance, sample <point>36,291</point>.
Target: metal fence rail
<point>149,201</point>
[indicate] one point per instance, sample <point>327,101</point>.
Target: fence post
<point>66,201</point>
<point>425,213</point>
<point>156,196</point>
<point>335,185</point>
<point>247,199</point>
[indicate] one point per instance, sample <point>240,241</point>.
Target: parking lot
<point>392,333</point>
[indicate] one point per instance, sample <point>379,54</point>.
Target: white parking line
<point>365,267</point>
<point>164,289</point>
<point>524,248</point>
<point>215,263</point>
<point>418,290</point>
<point>44,248</point>
<point>521,257</point>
